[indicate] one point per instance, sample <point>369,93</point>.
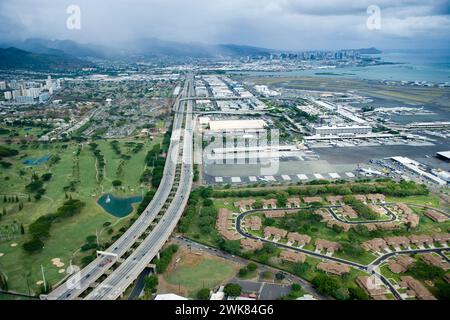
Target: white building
<point>8,95</point>
<point>416,167</point>
<point>170,297</point>
<point>225,125</point>
<point>340,130</point>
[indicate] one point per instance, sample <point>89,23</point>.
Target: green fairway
<point>74,175</point>
<point>207,273</point>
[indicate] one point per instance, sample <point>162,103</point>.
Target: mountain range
<point>13,58</point>
<point>67,54</point>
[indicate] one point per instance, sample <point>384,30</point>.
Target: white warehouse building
<point>224,125</point>
<point>341,130</point>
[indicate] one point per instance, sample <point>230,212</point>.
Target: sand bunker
<point>13,244</point>
<point>1,254</point>
<point>57,262</point>
<point>61,270</point>
<point>39,282</point>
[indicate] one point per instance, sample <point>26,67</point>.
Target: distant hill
<point>59,47</point>
<point>149,48</point>
<point>13,58</point>
<point>371,50</point>
<point>160,48</point>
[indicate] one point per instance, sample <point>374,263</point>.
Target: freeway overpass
<point>87,277</point>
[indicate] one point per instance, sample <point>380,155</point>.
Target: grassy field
<point>79,172</point>
<point>430,200</point>
<point>205,273</point>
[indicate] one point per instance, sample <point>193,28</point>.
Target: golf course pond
<point>36,161</point>
<point>117,206</point>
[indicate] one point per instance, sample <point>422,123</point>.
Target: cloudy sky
<point>280,24</point>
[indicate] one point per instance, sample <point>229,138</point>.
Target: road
<point>80,281</point>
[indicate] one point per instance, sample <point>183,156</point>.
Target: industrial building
<point>341,130</point>
<point>416,167</point>
<point>225,125</point>
<point>444,155</point>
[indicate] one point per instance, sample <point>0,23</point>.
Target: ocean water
<point>431,66</point>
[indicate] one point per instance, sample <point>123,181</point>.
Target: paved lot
<point>266,290</point>
<point>273,291</point>
<point>347,175</point>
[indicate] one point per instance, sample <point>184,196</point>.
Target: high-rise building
<point>8,95</point>
<point>15,94</point>
<point>48,82</point>
<point>24,100</point>
<point>2,85</point>
<point>33,92</point>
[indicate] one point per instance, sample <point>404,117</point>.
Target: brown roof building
<point>403,208</point>
<point>301,239</point>
<point>442,238</point>
<point>401,264</point>
<point>416,289</point>
<point>329,246</point>
<point>360,197</point>
<point>387,225</point>
<point>411,219</point>
<point>397,242</point>
<point>269,203</point>
<point>344,226</point>
<point>250,244</point>
<point>254,223</point>
<point>290,256</point>
<point>224,224</point>
<point>275,232</point>
<point>244,205</point>
<point>348,212</point>
<point>335,199</point>
<point>377,209</point>
<point>371,226</point>
<point>436,216</point>
<point>372,287</point>
<point>376,245</point>
<point>275,213</point>
<point>312,199</point>
<point>447,278</point>
<point>435,260</point>
<point>324,214</point>
<point>421,240</point>
<point>377,197</point>
<point>333,268</point>
<point>293,202</point>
